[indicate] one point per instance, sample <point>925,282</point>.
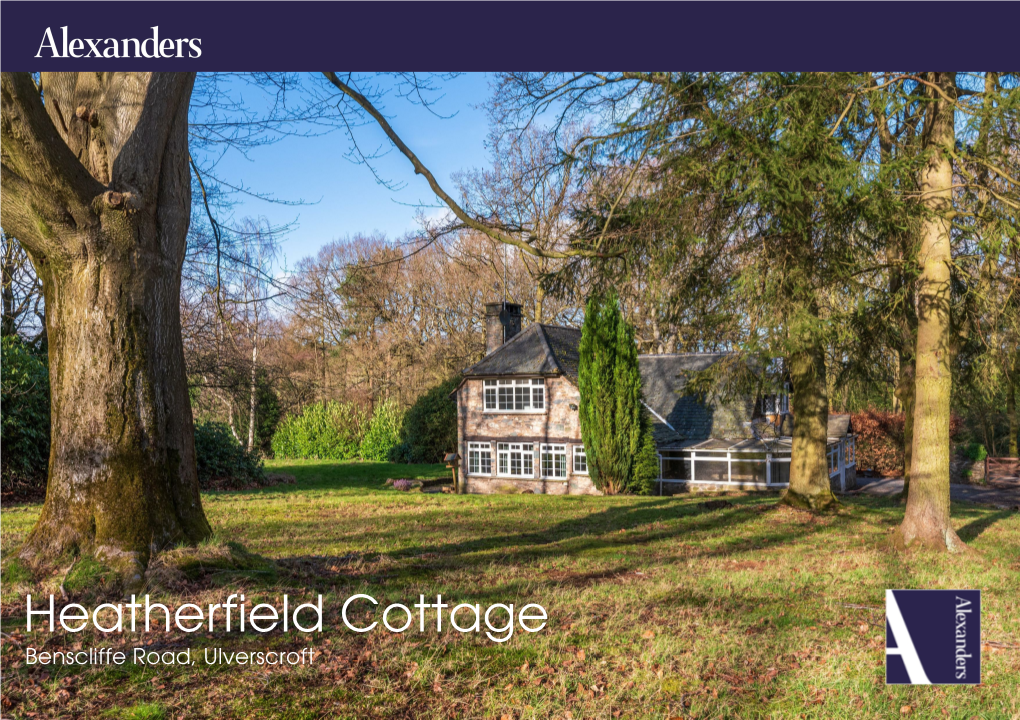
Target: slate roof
<point>839,425</point>
<point>677,417</point>
<point>537,350</point>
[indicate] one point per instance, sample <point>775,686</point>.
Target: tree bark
<point>905,393</point>
<point>97,189</point>
<point>252,392</point>
<point>1014,419</point>
<point>809,470</point>
<point>926,521</point>
<point>7,324</point>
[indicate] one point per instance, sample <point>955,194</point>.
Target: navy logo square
<point>932,637</point>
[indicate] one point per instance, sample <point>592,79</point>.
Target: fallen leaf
<point>906,710</point>
<point>648,634</point>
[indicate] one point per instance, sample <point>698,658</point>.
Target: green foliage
<point>25,402</point>
<point>267,413</point>
<point>975,452</point>
<point>323,431</point>
<point>430,426</point>
<point>646,465</point>
<point>221,457</point>
<point>383,432</point>
<point>612,424</point>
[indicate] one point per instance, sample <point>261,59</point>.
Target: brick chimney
<point>502,322</point>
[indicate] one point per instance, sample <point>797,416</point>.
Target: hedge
<point>383,432</point>
<point>322,431</point>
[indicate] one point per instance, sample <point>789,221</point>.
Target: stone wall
<point>558,424</point>
<point>573,485</point>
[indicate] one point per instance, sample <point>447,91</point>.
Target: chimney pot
<point>502,322</point>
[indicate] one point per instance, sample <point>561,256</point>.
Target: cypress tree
<point>612,424</point>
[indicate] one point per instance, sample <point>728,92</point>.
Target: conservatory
<point>747,464</point>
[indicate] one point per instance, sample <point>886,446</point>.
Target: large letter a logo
<point>904,644</point>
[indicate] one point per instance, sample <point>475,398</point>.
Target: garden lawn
<point>659,608</point>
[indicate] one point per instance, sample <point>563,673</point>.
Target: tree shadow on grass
<point>596,527</point>
<point>974,528</point>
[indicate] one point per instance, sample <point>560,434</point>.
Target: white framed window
<point>515,459</point>
<point>851,452</point>
<point>554,461</point>
<point>580,460</point>
<point>775,404</point>
<point>833,458</point>
<point>479,458</point>
<point>526,395</point>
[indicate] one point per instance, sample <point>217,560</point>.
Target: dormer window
<point>515,395</point>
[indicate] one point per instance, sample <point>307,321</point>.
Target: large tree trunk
<point>97,188</point>
<point>809,471</point>
<point>926,521</point>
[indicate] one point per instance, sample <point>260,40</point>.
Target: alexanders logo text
<point>933,637</point>
<point>150,47</point>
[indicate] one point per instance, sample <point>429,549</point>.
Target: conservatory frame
<point>841,456</point>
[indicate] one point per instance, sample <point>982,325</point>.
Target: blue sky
<point>349,199</point>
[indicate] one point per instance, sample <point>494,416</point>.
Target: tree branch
<point>420,169</point>
<point>44,182</point>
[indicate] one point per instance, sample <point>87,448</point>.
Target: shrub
<point>322,431</point>
<point>25,432</point>
<point>430,426</point>
<point>402,485</point>
<point>222,460</point>
<point>383,432</point>
<point>975,452</point>
<point>880,440</point>
<point>646,464</point>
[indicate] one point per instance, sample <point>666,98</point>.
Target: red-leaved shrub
<point>880,440</point>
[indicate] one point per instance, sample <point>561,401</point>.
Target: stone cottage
<point>518,427</point>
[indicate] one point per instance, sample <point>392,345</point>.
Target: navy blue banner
<point>933,637</point>
<point>296,36</point>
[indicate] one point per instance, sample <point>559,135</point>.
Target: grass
<point>659,608</point>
